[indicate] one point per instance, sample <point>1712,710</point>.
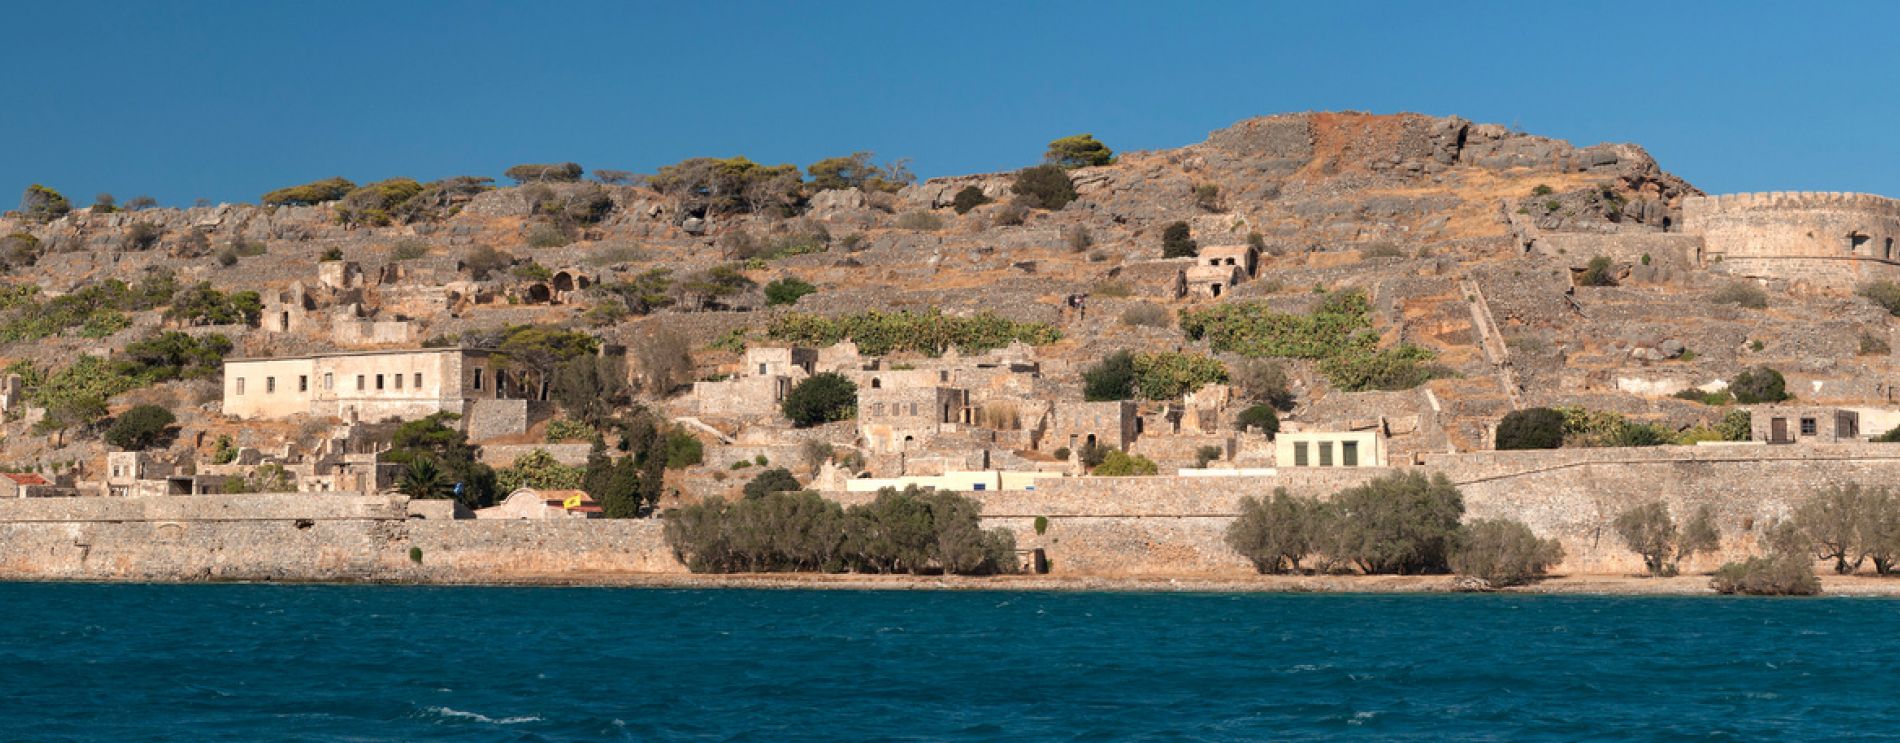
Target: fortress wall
<point>1665,250</point>
<point>252,507</point>
<point>1782,226</point>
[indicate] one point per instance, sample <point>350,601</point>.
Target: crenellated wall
<point>1828,238</point>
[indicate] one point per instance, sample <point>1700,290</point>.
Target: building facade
<point>365,385</point>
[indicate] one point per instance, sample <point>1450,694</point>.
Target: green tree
<point>1113,378</point>
<point>682,450</point>
<point>1758,385</point>
<point>821,398</point>
<point>1531,428</point>
<point>542,350</point>
<point>1276,533</point>
<point>433,437</point>
<point>203,305</point>
<point>1648,530</point>
<point>1116,463</point>
<point>1079,151</point>
<point>314,192</point>
<point>1403,523</point>
<point>539,470</point>
<point>423,479</point>
<point>376,203</point>
<point>1177,241</point>
<point>590,387</point>
<point>857,171</point>
<point>1044,187</point>
<point>1262,417</point>
<point>139,428</point>
<point>1597,273</point>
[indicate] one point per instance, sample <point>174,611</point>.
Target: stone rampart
<point>1830,239</point>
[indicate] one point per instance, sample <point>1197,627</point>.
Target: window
<point>418,381</point>
<point>303,383</point>
<point>1299,454</point>
<point>399,381</point>
<point>1325,453</point>
<point>877,409</point>
<point>1808,427</point>
<point>761,370</point>
<point>1349,453</point>
<point>379,381</point>
<point>359,383</point>
<point>270,385</point>
<point>240,386</point>
<point>478,377</point>
<point>913,408</point>
<point>329,380</point>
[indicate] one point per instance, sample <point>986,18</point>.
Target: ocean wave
<point>479,717</point>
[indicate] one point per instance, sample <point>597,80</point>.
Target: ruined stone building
<point>364,385</point>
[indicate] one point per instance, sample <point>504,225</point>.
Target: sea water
<point>350,663</point>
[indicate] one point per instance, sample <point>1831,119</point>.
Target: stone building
<point>364,385</point>
<point>30,485</point>
<point>903,418</point>
<point>1790,424</point>
<point>1213,280</point>
<point>1329,449</point>
<point>765,376</point>
<point>137,474</point>
<point>1243,257</point>
<point>1073,425</point>
<point>1834,239</point>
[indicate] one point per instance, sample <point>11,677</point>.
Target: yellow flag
<point>572,502</point>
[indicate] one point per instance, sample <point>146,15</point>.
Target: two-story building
<point>364,385</point>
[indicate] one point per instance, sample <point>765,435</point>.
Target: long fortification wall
<point>1110,527</point>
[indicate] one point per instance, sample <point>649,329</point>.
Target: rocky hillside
<point>1432,218</point>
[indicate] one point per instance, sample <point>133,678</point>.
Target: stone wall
<point>1831,239</point>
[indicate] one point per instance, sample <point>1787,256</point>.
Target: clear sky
<point>225,100</point>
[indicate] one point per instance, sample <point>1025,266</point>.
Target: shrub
<point>484,261</point>
<point>1113,378</point>
<point>1648,530</point>
<point>19,250</point>
<point>244,248</point>
<point>969,197</point>
<point>1042,525</point>
<point>1092,455</point>
<point>1598,272</point>
<point>1012,214</point>
<point>544,173</point>
<point>1262,417</point>
<point>1743,293</point>
<point>908,531</point>
<point>1873,345</point>
<point>920,221</point>
<point>314,192</point>
<point>42,204</point>
<point>1885,293</point>
<point>376,203</point>
<point>1276,533</point>
<point>203,305</point>
<point>1207,197</point>
<point>562,429</point>
<point>857,171</point>
<point>547,236</point>
<point>1530,428</point>
<point>569,207</point>
<point>1773,575</point>
<point>139,428</point>
<point>1063,452</point>
<point>1403,523</point>
<point>1891,436</point>
<point>140,203</point>
<point>227,258</point>
<point>1113,289</point>
<point>1758,385</point>
<point>930,332</point>
<point>1167,375</point>
<point>821,398</point>
<point>1147,315</point>
<point>332,253</point>
<point>1503,552</point>
<point>1177,242</point>
<point>683,450</point>
<point>1716,398</point>
<point>1080,239</point>
<point>775,480</point>
<point>786,290</point>
<point>1542,190</point>
<point>1079,151</point>
<point>1400,368</point>
<point>1206,454</point>
<point>1044,187</point>
<point>141,236</point>
<point>1116,463</point>
<point>1262,381</point>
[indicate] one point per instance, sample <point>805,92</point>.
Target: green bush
<point>787,290</point>
<point>1207,454</point>
<point>1597,273</point>
<point>539,470</point>
<point>139,428</point>
<point>1262,417</point>
<point>931,332</point>
<point>1530,428</point>
<point>1873,345</point>
<point>1166,375</point>
<point>1044,187</point>
<point>1012,214</point>
<point>1207,197</point>
<point>203,305</point>
<point>376,203</point>
<point>141,236</point>
<point>775,480</point>
<point>1178,242</point>
<point>1741,292</point>
<point>821,398</point>
<point>1713,399</point>
<point>969,197</point>
<point>1116,463</point>
<point>544,173</point>
<point>1885,293</point>
<point>1503,552</point>
<point>547,236</point>
<point>857,171</point>
<point>1391,369</point>
<point>1063,452</point>
<point>683,450</point>
<point>314,192</point>
<point>569,207</point>
<point>1773,575</point>
<point>562,429</point>
<point>1081,150</point>
<point>1758,385</point>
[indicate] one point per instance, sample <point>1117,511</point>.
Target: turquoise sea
<point>340,663</point>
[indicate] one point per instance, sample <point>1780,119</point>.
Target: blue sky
<point>225,100</point>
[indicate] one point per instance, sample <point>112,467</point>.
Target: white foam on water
<point>478,717</point>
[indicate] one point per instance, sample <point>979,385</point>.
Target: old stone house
<point>1073,425</point>
<point>1791,424</point>
<point>364,385</point>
